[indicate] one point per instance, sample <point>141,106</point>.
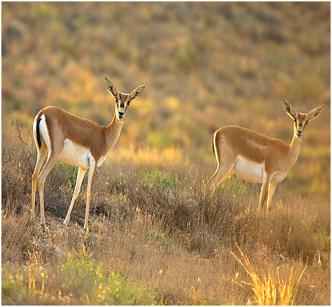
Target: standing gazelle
<point>258,158</point>
<point>60,135</point>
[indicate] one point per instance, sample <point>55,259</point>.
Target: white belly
<point>248,170</point>
<point>75,154</point>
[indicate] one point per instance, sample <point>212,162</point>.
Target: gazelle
<point>60,135</point>
<point>258,158</point>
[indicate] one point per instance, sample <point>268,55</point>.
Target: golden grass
<point>152,223</point>
<point>151,156</point>
<point>268,288</point>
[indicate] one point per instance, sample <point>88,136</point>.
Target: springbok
<point>62,136</point>
<point>258,158</point>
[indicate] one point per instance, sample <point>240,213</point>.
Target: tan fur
<point>254,146</point>
<point>234,145</point>
<point>75,140</point>
<point>64,125</point>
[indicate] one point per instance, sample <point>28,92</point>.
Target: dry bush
<point>17,237</point>
<point>202,222</point>
<point>152,224</point>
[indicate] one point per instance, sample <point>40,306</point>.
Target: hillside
<point>156,237</point>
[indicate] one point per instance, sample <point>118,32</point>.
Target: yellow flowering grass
<point>268,288</point>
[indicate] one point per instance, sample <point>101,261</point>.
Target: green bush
<point>158,178</point>
<point>86,276</point>
<point>80,280</point>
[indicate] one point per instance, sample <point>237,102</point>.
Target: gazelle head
<point>301,119</point>
<point>122,100</point>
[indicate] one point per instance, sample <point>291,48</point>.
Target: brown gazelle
<point>258,158</point>
<point>60,135</point>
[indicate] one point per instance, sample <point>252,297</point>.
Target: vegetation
<point>156,237</point>
<point>270,288</point>
<point>79,279</point>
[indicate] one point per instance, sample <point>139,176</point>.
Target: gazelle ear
<point>314,113</point>
<point>111,88</point>
<point>288,109</point>
<point>136,91</point>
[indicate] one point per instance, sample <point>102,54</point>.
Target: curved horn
<point>137,91</point>
<point>288,109</point>
<point>111,87</point>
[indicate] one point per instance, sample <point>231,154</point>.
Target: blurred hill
<point>205,65</point>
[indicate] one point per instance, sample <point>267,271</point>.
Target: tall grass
<point>163,239</point>
<point>269,288</point>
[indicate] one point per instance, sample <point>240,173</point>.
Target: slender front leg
<point>79,180</point>
<point>88,192</point>
<point>272,188</point>
<point>264,192</point>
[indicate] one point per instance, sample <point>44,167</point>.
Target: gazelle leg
<point>272,188</point>
<point>48,166</point>
<point>214,174</point>
<point>264,192</point>
<point>223,173</point>
<point>207,185</point>
<point>79,180</point>
<point>88,192</point>
<point>41,157</point>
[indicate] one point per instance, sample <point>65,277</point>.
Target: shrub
<point>80,279</point>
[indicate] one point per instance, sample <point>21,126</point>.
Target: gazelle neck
<point>295,147</point>
<point>113,131</point>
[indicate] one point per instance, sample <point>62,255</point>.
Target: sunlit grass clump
<point>269,288</point>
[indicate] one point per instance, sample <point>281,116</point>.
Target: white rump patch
<point>75,154</point>
<point>45,134</point>
<point>249,170</point>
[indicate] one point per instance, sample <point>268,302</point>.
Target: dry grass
<point>269,288</point>
<point>158,230</point>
